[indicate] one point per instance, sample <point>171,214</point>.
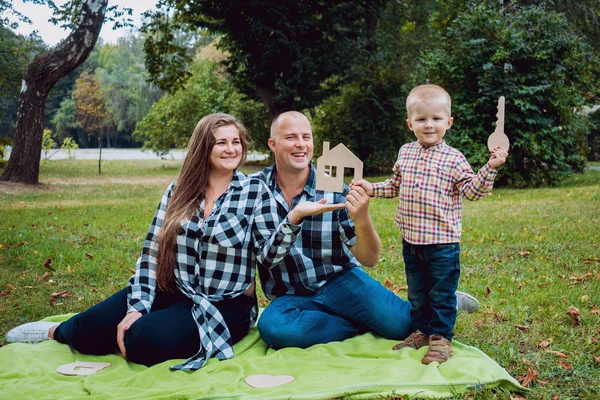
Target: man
<point>319,292</point>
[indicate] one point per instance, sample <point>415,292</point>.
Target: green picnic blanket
<point>359,368</point>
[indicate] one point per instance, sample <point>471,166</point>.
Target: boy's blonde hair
<point>428,94</point>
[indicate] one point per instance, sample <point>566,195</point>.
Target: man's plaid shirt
<point>320,251</point>
<point>430,182</point>
<point>216,259</point>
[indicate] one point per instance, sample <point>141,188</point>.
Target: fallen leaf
<point>565,365</point>
<point>574,313</point>
<point>388,283</point>
<point>555,397</point>
<point>545,343</point>
<point>88,255</point>
<point>487,290</point>
<point>478,322</point>
<point>46,275</point>
<point>578,279</point>
<point>6,292</point>
<point>597,359</point>
<point>524,253</point>
<point>48,264</point>
<point>263,302</point>
<point>64,293</point>
<point>517,398</point>
<point>557,353</point>
<point>498,317</point>
<point>591,260</point>
<point>531,375</point>
<point>522,327</point>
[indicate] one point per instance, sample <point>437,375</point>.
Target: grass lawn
<point>532,257</point>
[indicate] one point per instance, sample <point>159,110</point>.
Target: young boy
<point>430,178</point>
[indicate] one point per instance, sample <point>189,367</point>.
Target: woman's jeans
<point>167,332</point>
<point>350,303</point>
<point>432,273</point>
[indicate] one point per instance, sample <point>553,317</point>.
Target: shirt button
<point>416,185</point>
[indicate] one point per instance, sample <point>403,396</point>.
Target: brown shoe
<point>416,340</point>
<point>440,350</point>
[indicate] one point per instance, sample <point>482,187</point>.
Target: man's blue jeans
<point>432,273</point>
<point>350,303</point>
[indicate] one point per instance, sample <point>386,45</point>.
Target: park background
<point>530,250</point>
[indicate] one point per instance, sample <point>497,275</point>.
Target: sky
<point>52,34</point>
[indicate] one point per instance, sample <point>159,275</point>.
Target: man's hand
<point>498,158</point>
<point>125,324</point>
<point>367,186</point>
<point>309,208</point>
<point>357,203</point>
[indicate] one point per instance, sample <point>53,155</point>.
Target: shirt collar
<point>438,146</point>
<point>311,183</point>
<point>236,179</point>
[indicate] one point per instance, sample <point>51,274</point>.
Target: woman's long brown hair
<point>190,190</point>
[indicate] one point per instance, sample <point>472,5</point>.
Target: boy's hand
<point>498,158</point>
<point>367,187</point>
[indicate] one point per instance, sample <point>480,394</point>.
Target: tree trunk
<point>100,154</point>
<point>40,76</point>
<point>267,99</point>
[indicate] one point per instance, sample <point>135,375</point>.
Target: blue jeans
<point>432,273</point>
<point>168,331</point>
<point>350,303</point>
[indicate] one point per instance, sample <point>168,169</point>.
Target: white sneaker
<point>31,332</point>
<point>465,302</point>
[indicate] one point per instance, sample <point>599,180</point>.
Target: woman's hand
<point>125,324</point>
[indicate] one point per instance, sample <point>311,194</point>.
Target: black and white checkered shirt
<point>322,248</point>
<point>216,259</point>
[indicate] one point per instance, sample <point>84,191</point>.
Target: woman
<point>192,295</point>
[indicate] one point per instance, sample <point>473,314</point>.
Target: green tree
<point>172,119</point>
<point>85,18</point>
<point>124,80</point>
<point>532,57</point>
<point>368,115</point>
<point>288,54</point>
<point>65,121</point>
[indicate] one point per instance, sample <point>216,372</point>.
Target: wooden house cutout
<point>331,165</point>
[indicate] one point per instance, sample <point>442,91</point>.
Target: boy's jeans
<point>432,273</point>
<point>350,303</point>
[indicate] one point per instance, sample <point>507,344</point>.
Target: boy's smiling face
<point>429,121</point>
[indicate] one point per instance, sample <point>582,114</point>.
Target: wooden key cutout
<point>498,138</point>
<point>81,368</point>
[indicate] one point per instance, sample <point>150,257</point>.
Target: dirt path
<point>13,188</point>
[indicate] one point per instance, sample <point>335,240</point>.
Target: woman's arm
<point>142,285</point>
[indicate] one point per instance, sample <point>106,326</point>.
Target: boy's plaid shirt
<point>216,259</point>
<point>430,182</point>
<point>321,250</point>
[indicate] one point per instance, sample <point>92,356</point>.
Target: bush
<point>4,143</point>
<point>69,146</point>
<point>531,57</point>
<point>47,144</point>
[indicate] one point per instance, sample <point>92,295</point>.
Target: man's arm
<point>368,244</point>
